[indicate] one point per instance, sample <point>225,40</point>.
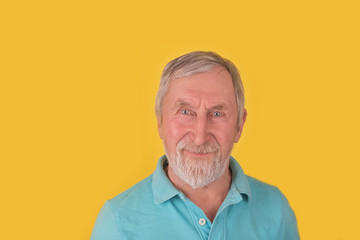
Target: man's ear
<point>159,120</point>
<point>240,127</point>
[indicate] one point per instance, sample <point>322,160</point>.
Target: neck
<point>210,197</point>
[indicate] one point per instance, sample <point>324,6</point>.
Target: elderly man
<point>198,191</point>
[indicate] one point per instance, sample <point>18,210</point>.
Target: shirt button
<point>202,221</point>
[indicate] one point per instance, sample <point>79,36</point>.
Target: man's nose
<point>200,130</point>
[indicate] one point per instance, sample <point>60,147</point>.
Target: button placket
<point>202,221</point>
<point>202,225</point>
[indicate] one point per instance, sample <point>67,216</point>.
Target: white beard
<point>198,172</point>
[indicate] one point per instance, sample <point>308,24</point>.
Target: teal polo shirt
<point>155,209</point>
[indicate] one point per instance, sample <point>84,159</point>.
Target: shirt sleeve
<point>289,229</point>
<point>105,226</point>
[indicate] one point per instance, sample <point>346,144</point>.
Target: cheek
<point>174,131</point>
<point>225,137</point>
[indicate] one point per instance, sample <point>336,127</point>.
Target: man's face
<point>198,126</point>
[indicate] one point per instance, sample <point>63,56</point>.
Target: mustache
<point>204,148</point>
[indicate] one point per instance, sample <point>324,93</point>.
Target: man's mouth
<point>197,154</point>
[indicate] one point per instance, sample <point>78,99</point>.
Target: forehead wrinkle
<point>184,103</point>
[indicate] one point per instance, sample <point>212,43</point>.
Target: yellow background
<point>78,85</point>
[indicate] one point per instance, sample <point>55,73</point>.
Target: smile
<point>198,154</point>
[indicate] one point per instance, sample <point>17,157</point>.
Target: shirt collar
<point>239,179</point>
<point>163,189</point>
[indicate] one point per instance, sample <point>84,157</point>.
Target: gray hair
<point>194,63</point>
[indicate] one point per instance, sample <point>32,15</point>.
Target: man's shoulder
<point>259,187</point>
<point>253,187</point>
<point>141,191</point>
<point>268,204</point>
<point>266,196</point>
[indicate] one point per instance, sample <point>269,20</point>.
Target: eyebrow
<point>181,103</point>
<point>220,106</point>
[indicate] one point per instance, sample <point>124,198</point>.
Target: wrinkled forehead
<point>215,87</point>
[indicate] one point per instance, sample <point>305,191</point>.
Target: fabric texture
<point>155,209</point>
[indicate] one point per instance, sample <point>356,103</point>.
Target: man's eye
<point>216,114</point>
<point>185,112</point>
